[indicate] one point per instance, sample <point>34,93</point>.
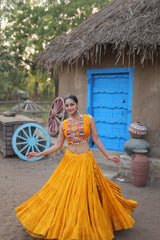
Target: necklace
<point>76,117</point>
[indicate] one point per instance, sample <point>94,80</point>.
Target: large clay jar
<point>139,168</point>
<point>137,130</point>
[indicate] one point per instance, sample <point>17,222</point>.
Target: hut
<point>112,63</point>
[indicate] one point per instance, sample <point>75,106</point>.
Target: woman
<point>77,202</point>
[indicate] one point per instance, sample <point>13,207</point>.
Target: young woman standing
<point>77,202</point>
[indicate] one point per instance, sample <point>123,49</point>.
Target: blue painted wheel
<point>30,137</point>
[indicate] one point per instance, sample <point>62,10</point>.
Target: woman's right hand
<point>115,159</point>
<point>32,154</point>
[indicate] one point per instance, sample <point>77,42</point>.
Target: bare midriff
<point>79,148</point>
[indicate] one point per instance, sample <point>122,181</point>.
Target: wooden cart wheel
<point>55,116</point>
<point>30,137</point>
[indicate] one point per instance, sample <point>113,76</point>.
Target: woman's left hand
<point>115,159</point>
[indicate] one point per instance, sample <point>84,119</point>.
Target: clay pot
<point>139,168</point>
<point>136,143</point>
<point>137,130</point>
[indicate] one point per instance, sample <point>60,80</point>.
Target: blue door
<point>109,101</point>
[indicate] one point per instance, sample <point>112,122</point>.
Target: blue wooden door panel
<point>113,144</point>
<point>116,130</point>
<point>109,115</point>
<point>116,82</point>
<point>113,100</point>
<point>109,102</point>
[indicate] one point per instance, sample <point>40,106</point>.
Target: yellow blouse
<point>78,130</point>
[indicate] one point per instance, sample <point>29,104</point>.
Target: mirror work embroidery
<point>75,131</point>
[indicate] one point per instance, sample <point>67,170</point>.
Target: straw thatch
<point>130,27</point>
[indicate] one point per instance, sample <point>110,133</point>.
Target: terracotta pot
<point>139,168</point>
<point>137,130</point>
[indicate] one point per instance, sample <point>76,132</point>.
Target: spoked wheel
<point>30,137</point>
<point>56,116</point>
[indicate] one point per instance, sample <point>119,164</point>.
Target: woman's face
<point>71,106</point>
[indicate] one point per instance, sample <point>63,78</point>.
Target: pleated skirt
<point>77,203</point>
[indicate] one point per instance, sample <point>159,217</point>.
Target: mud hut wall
<point>145,99</point>
<point>74,81</point>
<point>146,102</point>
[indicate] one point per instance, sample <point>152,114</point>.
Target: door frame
<point>91,72</point>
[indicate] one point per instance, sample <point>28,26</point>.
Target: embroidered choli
<point>78,130</point>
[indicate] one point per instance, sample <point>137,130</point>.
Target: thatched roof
<point>130,27</point>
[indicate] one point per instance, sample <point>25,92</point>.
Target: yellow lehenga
<point>77,203</point>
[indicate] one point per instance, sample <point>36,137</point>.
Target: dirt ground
<point>19,180</point>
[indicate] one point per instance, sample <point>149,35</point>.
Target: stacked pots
<point>138,149</point>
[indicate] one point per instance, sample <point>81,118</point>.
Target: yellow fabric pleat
<point>77,203</point>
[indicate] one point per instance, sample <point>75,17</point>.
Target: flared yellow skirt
<point>77,203</point>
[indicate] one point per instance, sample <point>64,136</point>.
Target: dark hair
<point>73,97</point>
